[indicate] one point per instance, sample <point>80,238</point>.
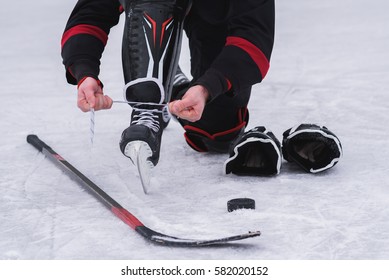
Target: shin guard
<point>151,46</point>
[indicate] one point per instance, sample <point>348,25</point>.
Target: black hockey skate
<point>141,141</point>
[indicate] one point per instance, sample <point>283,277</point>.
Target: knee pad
<point>201,140</point>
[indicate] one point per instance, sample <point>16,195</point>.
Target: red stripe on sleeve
<point>253,51</point>
<point>85,29</point>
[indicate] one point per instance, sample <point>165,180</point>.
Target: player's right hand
<point>90,96</point>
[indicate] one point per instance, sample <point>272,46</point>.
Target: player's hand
<point>192,104</point>
<point>90,96</point>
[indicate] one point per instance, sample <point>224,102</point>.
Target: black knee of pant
<point>203,136</point>
<point>222,121</point>
<point>202,141</point>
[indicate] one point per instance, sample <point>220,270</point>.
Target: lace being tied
<point>147,117</point>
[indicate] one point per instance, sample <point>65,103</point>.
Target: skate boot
<point>146,126</point>
<point>141,141</point>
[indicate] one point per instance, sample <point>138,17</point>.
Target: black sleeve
<point>85,37</point>
<point>245,58</point>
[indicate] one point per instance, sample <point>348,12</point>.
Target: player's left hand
<point>192,104</point>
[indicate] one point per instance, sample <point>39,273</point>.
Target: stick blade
<point>166,240</point>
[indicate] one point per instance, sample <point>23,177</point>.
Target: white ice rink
<point>330,66</point>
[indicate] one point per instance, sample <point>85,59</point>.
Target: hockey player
<point>230,45</point>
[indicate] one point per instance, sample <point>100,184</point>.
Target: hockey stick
<point>121,212</point>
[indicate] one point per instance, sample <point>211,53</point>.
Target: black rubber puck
<point>240,203</point>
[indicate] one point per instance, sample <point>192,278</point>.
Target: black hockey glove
<point>312,147</point>
<point>255,152</point>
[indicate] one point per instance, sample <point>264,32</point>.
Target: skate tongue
<point>144,90</point>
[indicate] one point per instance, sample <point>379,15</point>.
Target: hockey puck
<point>240,203</point>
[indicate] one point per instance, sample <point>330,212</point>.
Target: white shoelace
<point>139,103</point>
<point>92,126</point>
<point>147,117</point>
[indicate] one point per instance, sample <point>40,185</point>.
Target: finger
<point>172,109</point>
<point>99,101</point>
<point>85,100</point>
<point>82,102</point>
<point>181,106</point>
<point>190,115</point>
<point>103,102</point>
<point>184,110</point>
<point>107,102</point>
<point>90,98</point>
<point>83,105</point>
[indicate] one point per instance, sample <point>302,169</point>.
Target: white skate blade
<point>139,152</point>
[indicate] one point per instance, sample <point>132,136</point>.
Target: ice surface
<point>330,66</point>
